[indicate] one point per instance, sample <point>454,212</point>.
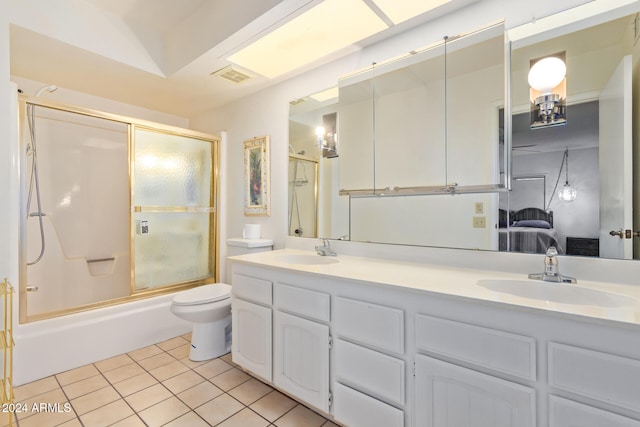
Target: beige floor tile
<point>212,368</point>
<point>48,419</point>
<point>183,381</point>
<point>230,379</point>
<point>85,386</point>
<point>245,418</point>
<point>148,397</point>
<point>300,416</point>
<point>330,424</point>
<point>132,421</point>
<point>156,360</point>
<point>95,400</point>
<point>77,374</point>
<point>273,405</point>
<point>190,419</point>
<point>192,364</point>
<point>170,370</point>
<point>181,352</point>
<point>200,394</point>
<point>164,412</point>
<point>219,409</point>
<point>74,422</point>
<point>145,352</point>
<point>31,406</point>
<point>123,373</point>
<point>250,391</point>
<point>228,358</point>
<point>107,415</point>
<point>113,362</point>
<point>134,384</point>
<point>172,343</point>
<point>35,388</point>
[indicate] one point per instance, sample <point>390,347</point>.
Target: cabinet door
<point>564,412</point>
<point>451,396</point>
<point>302,359</point>
<point>251,337</point>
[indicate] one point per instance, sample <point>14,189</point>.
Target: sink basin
<point>557,293</point>
<point>308,259</point>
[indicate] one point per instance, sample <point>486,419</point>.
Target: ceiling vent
<point>232,75</point>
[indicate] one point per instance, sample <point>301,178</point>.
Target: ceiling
<point>157,54</point>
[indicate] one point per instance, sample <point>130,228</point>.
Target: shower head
<point>50,88</point>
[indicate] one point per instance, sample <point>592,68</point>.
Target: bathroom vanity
<point>373,342</point>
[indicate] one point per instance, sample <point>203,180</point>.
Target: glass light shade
<point>546,74</point>
<point>568,193</point>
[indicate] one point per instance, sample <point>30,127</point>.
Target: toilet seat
<point>203,294</point>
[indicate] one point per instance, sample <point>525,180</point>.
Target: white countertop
<point>452,281</point>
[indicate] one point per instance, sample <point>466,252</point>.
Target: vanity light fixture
<point>548,92</point>
<point>567,193</point>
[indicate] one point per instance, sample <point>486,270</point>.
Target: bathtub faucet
<point>551,271</point>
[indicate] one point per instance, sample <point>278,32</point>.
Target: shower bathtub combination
<point>117,214</point>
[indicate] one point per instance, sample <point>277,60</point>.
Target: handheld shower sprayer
<point>34,181</point>
<point>50,88</point>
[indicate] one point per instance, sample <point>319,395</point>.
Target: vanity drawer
<point>353,408</point>
<point>602,376</point>
<point>370,324</point>
<point>369,371</point>
<point>489,348</point>
<point>251,288</point>
<point>316,305</point>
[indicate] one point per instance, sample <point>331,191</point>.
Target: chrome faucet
<point>551,271</point>
<point>325,249</point>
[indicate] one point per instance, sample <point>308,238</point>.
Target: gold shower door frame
<point>132,124</point>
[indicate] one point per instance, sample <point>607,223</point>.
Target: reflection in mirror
<point>418,148</point>
<point>592,152</point>
<point>600,48</point>
<point>399,134</point>
<point>315,210</point>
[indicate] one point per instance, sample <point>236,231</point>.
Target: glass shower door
<point>173,198</point>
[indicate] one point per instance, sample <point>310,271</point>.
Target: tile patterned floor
<point>159,386</point>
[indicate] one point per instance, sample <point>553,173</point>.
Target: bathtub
<point>51,346</point>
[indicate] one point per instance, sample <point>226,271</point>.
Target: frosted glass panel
<point>171,170</point>
<point>171,247</point>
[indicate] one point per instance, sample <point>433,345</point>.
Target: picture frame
<point>256,171</point>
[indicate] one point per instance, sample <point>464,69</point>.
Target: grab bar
<point>89,261</point>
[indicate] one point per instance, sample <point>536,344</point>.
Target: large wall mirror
<point>421,152</point>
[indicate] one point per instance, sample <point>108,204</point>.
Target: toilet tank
<point>239,246</point>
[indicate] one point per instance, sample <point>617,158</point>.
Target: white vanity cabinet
<point>373,354</point>
<point>301,344</point>
<point>251,345</point>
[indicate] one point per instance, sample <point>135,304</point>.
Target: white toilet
<point>209,308</point>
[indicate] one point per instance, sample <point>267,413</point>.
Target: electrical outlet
<point>479,208</point>
<point>479,222</point>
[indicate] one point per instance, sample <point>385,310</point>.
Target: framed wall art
<point>256,172</point>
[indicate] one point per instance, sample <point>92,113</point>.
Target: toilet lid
<point>203,294</point>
